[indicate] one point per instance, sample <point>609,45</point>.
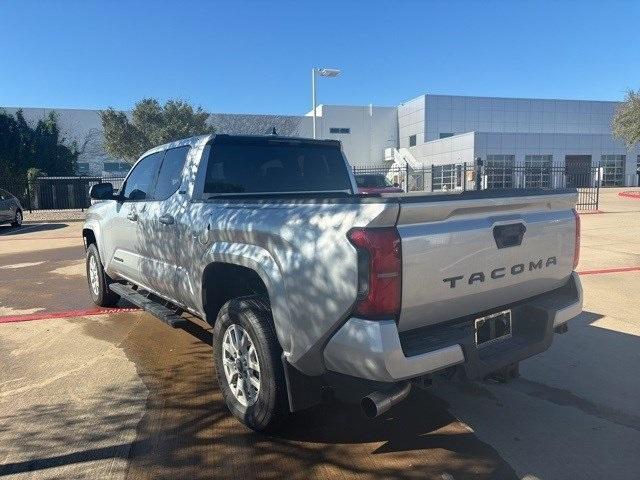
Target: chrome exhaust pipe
<point>376,403</point>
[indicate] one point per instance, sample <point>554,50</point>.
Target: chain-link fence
<point>462,176</point>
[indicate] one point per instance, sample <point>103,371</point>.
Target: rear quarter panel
<point>301,251</point>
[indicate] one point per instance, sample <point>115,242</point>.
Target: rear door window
<point>264,167</point>
<point>170,176</point>
<point>142,177</point>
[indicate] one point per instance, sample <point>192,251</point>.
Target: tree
<point>151,124</point>
<point>23,147</point>
<point>32,177</point>
<point>626,122</point>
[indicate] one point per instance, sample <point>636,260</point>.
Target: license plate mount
<point>493,328</point>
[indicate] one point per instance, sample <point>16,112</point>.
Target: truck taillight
<point>379,271</point>
<point>576,251</point>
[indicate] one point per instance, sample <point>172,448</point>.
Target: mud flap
<point>303,391</point>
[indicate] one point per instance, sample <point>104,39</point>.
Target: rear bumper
<point>375,350</point>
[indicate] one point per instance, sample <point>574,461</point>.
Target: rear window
<point>276,167</point>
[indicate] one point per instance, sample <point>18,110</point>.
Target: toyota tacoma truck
<point>310,286</point>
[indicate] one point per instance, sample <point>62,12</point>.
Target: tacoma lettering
<point>497,273</point>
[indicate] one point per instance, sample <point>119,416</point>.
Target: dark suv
<point>10,209</point>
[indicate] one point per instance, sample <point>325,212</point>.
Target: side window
<point>139,182</point>
<point>170,176</point>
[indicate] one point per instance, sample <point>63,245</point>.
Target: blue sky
<point>256,56</point>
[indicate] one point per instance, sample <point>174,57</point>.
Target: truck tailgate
<point>462,256</point>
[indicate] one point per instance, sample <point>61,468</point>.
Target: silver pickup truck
<point>309,285</point>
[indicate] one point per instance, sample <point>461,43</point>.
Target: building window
<point>613,170</point>
<point>499,171</point>
<point>412,141</point>
<point>339,130</point>
<point>446,135</point>
<point>578,171</point>
<point>537,171</point>
<point>444,176</point>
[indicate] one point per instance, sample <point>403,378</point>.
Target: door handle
<point>166,219</point>
<point>133,216</point>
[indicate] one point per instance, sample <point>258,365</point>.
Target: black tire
<point>17,220</point>
<point>103,296</point>
<point>253,314</point>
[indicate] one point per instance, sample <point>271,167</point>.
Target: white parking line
<point>22,265</point>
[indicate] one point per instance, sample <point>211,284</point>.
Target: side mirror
<point>101,191</point>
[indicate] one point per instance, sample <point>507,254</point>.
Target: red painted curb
<point>630,194</point>
<point>67,314</point>
<point>609,270</point>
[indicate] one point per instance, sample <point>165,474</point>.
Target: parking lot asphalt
<point>85,394</point>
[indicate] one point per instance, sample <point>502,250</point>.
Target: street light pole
<point>323,72</point>
<point>313,96</point>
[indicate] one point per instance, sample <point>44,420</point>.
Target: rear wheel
<point>98,280</point>
<point>248,365</point>
<point>17,220</point>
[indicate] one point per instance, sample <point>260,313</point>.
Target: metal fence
<point>61,193</point>
<point>452,177</point>
<point>55,193</point>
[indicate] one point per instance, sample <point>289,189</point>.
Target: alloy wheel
<point>241,364</point>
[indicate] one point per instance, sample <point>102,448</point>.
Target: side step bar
<point>156,309</point>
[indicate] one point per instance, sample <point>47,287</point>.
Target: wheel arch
<point>91,234</point>
<point>89,237</point>
<point>233,270</point>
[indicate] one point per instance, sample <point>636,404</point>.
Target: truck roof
<point>252,139</point>
<point>266,139</point>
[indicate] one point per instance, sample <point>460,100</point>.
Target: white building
<point>365,132</point>
<point>439,130</point>
<point>575,134</point>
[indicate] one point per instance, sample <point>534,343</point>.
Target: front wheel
<point>99,281</point>
<point>17,219</point>
<point>248,365</point>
